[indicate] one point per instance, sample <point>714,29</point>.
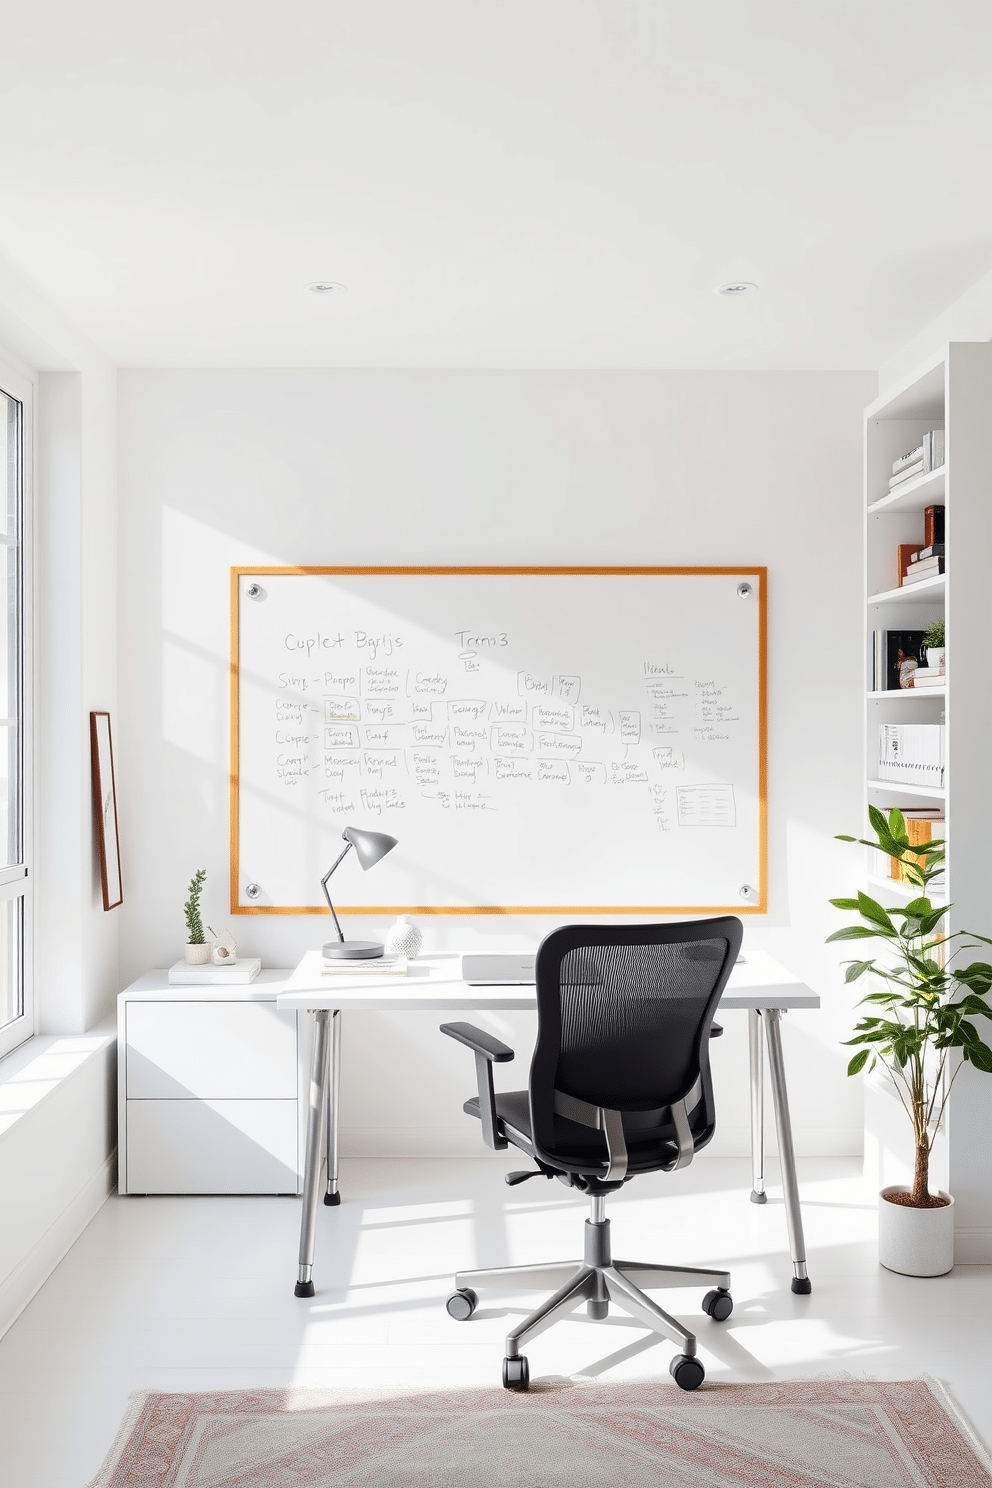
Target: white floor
<point>195,1294</point>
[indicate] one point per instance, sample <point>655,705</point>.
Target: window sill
<point>32,1072</point>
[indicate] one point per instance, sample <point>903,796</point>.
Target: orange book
<point>904,555</point>
<point>919,830</point>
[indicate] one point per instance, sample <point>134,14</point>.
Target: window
<point>16,1004</point>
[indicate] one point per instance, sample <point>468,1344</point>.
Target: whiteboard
<point>554,741</point>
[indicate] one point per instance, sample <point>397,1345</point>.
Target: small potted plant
<point>936,646</point>
<point>197,945</point>
<point>920,1008</point>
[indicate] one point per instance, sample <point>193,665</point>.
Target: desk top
<point>434,983</point>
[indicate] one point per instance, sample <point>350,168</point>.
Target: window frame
<point>16,883</point>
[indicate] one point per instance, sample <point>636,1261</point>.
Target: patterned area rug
<point>844,1433</point>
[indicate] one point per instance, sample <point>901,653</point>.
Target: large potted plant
<point>920,1009</point>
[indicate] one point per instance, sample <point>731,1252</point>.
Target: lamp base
<point>352,950</point>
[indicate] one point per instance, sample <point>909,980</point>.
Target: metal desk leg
<point>787,1157</point>
<point>333,1196</point>
<point>311,1170</point>
<point>756,1069</point>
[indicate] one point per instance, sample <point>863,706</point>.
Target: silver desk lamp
<point>369,847</point>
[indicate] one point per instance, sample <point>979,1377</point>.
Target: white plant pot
<point>198,955</point>
<point>915,1242</point>
<point>937,656</point>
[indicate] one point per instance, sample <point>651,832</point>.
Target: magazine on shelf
<point>913,752</point>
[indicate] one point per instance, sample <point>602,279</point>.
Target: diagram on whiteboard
<point>538,741</point>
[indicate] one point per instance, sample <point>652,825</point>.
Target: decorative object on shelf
<point>225,948</point>
<point>919,1009</point>
<point>105,809</point>
<point>197,947</point>
<point>404,938</point>
<point>933,525</point>
<point>935,642</point>
<point>369,848</point>
<point>896,657</point>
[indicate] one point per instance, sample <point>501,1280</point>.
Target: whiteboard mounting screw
<point>255,591</point>
<point>746,891</point>
<point>743,591</point>
<point>253,890</point>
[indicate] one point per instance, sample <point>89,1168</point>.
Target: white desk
<point>757,983</point>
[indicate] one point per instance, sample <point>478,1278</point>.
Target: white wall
<point>56,1157</point>
<point>231,467</point>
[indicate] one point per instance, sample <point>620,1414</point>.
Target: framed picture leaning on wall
<point>105,810</point>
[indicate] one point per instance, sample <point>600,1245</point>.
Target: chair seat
<point>651,1144</point>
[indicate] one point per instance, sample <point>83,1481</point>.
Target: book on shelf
<point>933,525</point>
<point>925,677</point>
<point>913,752</point>
<point>912,457</point>
<point>921,828</point>
<point>909,473</point>
<point>376,966</point>
<point>905,553</point>
<point>935,550</point>
<point>930,568</point>
<point>232,973</point>
<point>928,454</point>
<point>933,449</point>
<point>895,656</point>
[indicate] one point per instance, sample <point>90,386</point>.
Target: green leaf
<point>856,932</point>
<point>981,1057</point>
<point>877,819</point>
<point>918,908</point>
<point>858,1062</point>
<point>856,969</point>
<point>871,910</point>
<point>844,903</point>
<point>897,824</point>
<point>842,837</point>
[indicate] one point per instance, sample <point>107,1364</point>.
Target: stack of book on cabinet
<point>210,974</point>
<point>926,456</point>
<point>922,826</point>
<point>913,752</point>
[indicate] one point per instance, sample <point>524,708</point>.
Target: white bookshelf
<point>953,390</point>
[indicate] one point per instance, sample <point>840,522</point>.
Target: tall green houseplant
<point>191,909</point>
<point>922,1006</point>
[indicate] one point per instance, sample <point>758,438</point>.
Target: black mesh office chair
<point>619,1085</point>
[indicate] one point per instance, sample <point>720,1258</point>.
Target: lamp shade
<point>369,846</point>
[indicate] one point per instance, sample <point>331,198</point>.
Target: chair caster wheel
<point>687,1372</point>
<point>516,1373</point>
<point>461,1304</point>
<point>303,1289</point>
<point>718,1305</point>
<point>802,1285</point>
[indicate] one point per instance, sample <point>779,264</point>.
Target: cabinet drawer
<point>216,1147</point>
<point>213,1050</point>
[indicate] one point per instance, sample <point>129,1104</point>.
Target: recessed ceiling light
<point>736,287</point>
<point>327,287</point>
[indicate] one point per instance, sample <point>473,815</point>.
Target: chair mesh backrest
<point>624,1012</point>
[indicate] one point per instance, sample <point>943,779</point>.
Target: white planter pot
<point>198,955</point>
<point>915,1242</point>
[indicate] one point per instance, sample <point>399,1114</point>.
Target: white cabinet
<point>210,1081</point>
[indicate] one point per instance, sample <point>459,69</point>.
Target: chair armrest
<point>487,1051</point>
<point>478,1041</point>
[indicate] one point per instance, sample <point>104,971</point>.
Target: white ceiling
<point>499,182</point>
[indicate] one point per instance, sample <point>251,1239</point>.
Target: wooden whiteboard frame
<point>273,570</point>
